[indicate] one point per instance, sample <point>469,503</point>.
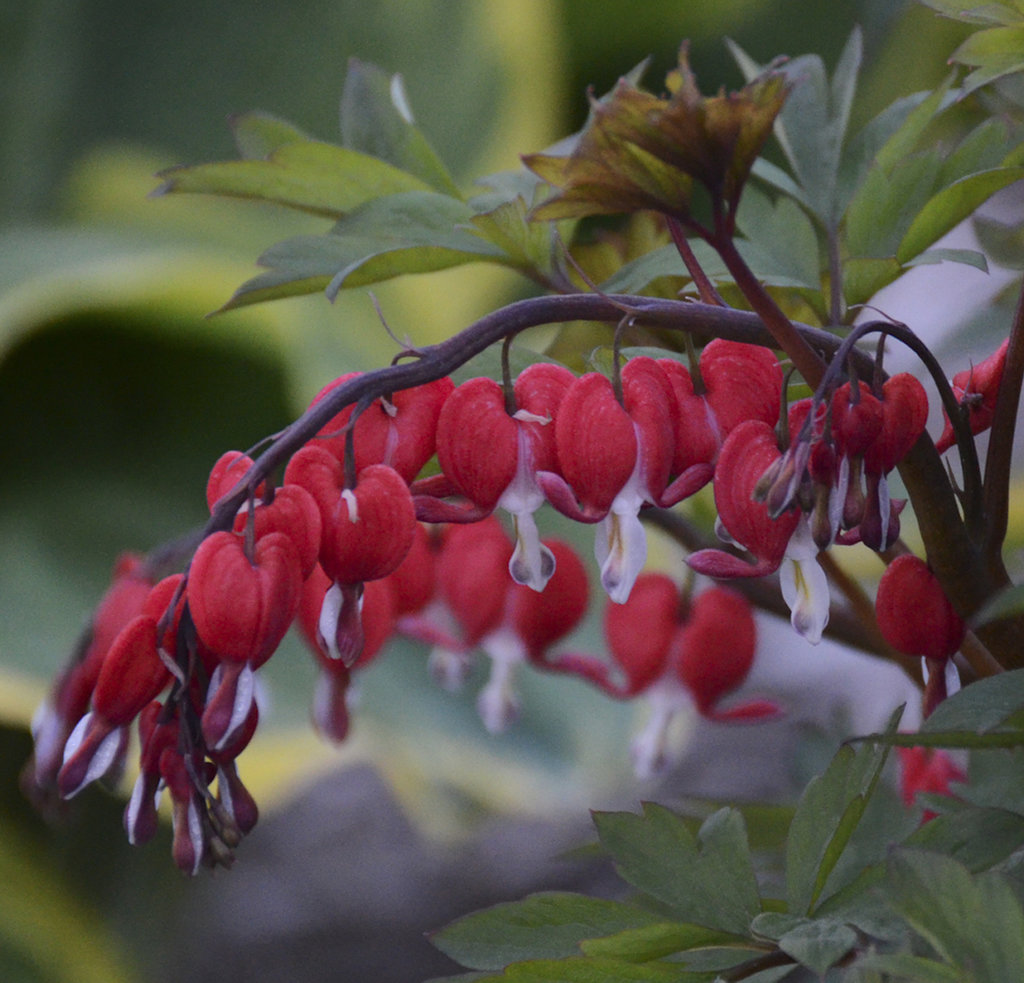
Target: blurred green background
<point>117,393</point>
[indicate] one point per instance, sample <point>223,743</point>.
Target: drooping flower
<point>398,431</point>
<point>679,655</point>
<point>904,415</point>
<point>332,697</point>
<point>69,697</point>
<point>917,618</point>
<point>976,390</point>
<point>367,531</point>
<point>492,458</point>
<point>928,771</point>
<point>784,542</point>
<point>242,605</point>
<point>616,458</point>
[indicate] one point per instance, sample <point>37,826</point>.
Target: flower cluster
<point>358,544</point>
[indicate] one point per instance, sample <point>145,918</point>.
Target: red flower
<point>398,431</point>
<point>976,390</point>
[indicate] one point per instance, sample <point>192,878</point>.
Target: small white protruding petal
<point>804,584</point>
<point>620,547</point>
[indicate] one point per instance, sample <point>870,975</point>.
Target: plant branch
<point>808,363</point>
<point>996,492</point>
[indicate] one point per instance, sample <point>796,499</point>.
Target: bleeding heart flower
<point>929,771</point>
<point>242,607</point>
<point>615,459</point>
<point>69,698</point>
<point>294,512</point>
<point>492,458</point>
<point>332,697</point>
<point>229,470</point>
<point>743,382</point>
<point>747,454</point>
<point>398,431</point>
<point>367,532</point>
<point>905,413</point>
<point>976,390</point>
<point>131,676</point>
<point>531,623</point>
<point>787,542</point>
<point>916,618</point>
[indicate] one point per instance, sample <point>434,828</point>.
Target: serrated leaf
<point>376,119</point>
<point>258,135</point>
<point>952,205</point>
<point>811,128</point>
<point>653,941</point>
<point>546,925</point>
<point>502,218</point>
<point>309,175</point>
<point>708,880</point>
<point>818,943</point>
<point>827,815</point>
<point>975,922</point>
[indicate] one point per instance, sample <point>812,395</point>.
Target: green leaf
<point>829,811</point>
<point>975,922</point>
<point>376,119</point>
<point>257,135</point>
<point>969,257</point>
<point>977,837</point>
<point>887,202</point>
<point>986,13</point>
<point>547,925</point>
<point>654,941</point>
<point>863,278</point>
<point>981,707</point>
<point>993,46</point>
<point>502,218</point>
<point>818,943</point>
<point>708,880</point>
<point>780,244</point>
<point>414,232</point>
<point>951,206</point>
<point>309,175</point>
<point>863,147</point>
<point>811,128</point>
<point>1005,604</point>
<point>904,140</point>
<point>903,965</point>
<point>586,970</point>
